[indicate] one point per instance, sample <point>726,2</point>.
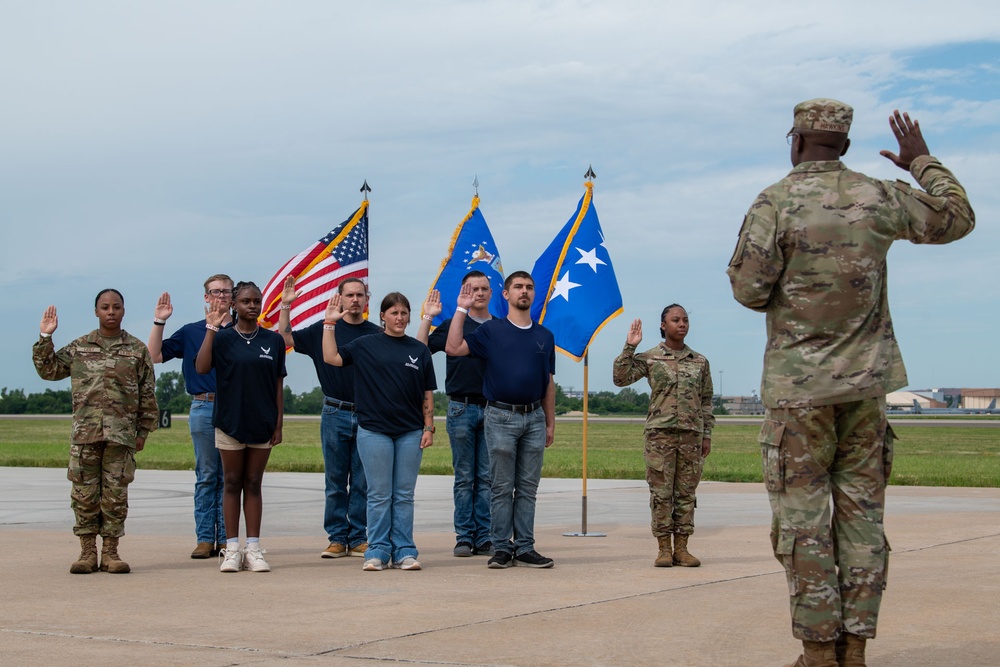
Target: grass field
<point>924,455</point>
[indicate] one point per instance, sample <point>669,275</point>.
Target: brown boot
<point>663,558</point>
<point>681,555</point>
<point>110,562</point>
<point>851,650</point>
<point>87,562</point>
<point>817,654</point>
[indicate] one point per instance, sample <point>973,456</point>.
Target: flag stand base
<point>583,531</point>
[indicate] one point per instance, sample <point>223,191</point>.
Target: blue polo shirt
<point>184,345</point>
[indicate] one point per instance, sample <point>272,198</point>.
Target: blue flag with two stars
<point>576,291</point>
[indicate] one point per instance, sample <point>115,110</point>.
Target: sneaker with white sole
<point>231,561</point>
<point>408,563</point>
<point>253,560</point>
<point>373,565</point>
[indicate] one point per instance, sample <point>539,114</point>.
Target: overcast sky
<point>145,146</point>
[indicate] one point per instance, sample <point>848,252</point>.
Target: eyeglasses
<point>220,292</point>
<point>790,137</point>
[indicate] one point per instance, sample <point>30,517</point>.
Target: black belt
<point>523,409</point>
<point>468,400</point>
<point>343,405</point>
<point>207,396</point>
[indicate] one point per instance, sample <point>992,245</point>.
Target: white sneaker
<point>373,565</point>
<point>253,560</point>
<point>231,562</point>
<point>408,563</point>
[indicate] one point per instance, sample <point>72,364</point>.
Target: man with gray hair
<point>812,255</point>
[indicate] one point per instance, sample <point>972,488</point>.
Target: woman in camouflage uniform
<point>678,428</point>
<point>114,410</point>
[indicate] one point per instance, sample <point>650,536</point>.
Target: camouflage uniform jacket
<point>812,255</point>
<point>113,386</point>
<point>680,384</point>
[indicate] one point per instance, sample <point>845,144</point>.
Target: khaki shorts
<point>225,441</point>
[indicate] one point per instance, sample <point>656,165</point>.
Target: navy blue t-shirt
<point>184,345</point>
<point>391,375</point>
<point>336,382</point>
<point>464,375</point>
<point>247,377</point>
<point>518,361</point>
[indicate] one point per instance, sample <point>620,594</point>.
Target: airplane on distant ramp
<point>991,409</point>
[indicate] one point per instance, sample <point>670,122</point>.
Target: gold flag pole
<point>586,412</point>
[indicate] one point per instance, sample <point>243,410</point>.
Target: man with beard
<point>520,414</point>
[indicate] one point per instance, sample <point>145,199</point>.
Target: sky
<point>146,146</point>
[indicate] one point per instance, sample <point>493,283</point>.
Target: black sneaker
<point>500,561</point>
<point>485,549</point>
<point>533,559</point>
<point>463,550</point>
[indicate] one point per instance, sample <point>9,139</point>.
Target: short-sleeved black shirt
<point>246,378</point>
<point>336,382</point>
<point>391,375</point>
<point>463,375</point>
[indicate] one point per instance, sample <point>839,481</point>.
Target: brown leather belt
<point>207,396</point>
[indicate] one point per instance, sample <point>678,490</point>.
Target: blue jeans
<point>517,447</point>
<point>344,517</point>
<point>209,525</point>
<point>391,466</point>
<point>471,461</point>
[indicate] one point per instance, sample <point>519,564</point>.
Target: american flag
<point>318,270</point>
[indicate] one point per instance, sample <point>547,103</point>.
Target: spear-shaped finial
<point>590,175</point>
<point>365,189</point>
<point>475,184</point>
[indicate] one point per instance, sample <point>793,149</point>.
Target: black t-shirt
<point>391,375</point>
<point>337,382</point>
<point>464,375</point>
<point>246,384</point>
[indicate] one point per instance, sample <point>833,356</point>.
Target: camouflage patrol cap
<point>823,114</point>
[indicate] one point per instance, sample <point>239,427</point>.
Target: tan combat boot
<point>110,562</point>
<point>851,650</point>
<point>817,654</point>
<point>663,558</point>
<point>87,562</point>
<point>681,555</point>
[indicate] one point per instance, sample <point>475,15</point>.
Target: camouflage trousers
<point>673,470</point>
<point>101,473</point>
<point>835,564</point>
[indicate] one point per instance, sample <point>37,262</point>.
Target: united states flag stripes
<point>318,270</point>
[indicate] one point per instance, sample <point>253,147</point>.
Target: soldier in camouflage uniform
<point>114,410</point>
<point>678,428</point>
<point>812,255</point>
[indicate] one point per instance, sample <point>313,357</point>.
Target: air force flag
<point>576,291</point>
<point>472,249</point>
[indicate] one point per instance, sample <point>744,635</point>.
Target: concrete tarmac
<point>602,604</point>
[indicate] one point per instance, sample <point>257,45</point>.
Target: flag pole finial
<point>365,189</point>
<point>475,184</point>
<point>590,175</point>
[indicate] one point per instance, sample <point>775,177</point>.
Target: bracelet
<point>158,322</point>
<point>328,327</point>
<point>211,327</point>
<point>286,307</point>
<point>44,335</point>
<point>427,317</point>
<point>330,322</point>
<point>462,310</point>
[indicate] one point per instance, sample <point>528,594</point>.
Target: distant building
<point>742,405</point>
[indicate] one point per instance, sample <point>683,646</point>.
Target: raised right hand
<point>216,311</point>
<point>465,298</point>
<point>288,294</point>
<point>432,306</point>
<point>49,321</point>
<point>634,336</point>
<point>163,308</point>
<point>333,311</point>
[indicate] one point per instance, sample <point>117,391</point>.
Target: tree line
<point>170,395</point>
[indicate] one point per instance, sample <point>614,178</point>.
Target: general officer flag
<point>576,291</point>
<point>342,253</point>
<point>471,249</point>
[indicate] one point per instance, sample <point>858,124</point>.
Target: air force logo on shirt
<point>412,363</point>
<point>266,353</point>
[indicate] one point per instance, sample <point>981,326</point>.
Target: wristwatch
<point>430,429</point>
